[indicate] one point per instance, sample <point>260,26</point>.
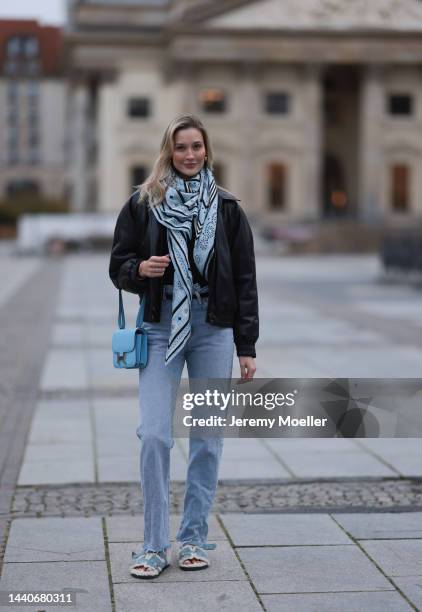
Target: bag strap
<point>121,319</point>
<point>139,319</point>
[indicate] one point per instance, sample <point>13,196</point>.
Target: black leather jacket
<point>233,298</point>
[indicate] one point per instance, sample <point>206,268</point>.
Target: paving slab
<point>65,369</point>
<point>118,468</point>
<point>207,596</point>
<point>283,529</point>
<point>89,577</point>
<point>223,564</point>
<point>303,569</point>
<point>405,464</point>
<point>60,444</point>
<point>117,445</point>
<point>280,311</point>
<point>412,588</point>
<point>99,334</point>
<point>61,421</point>
<point>403,454</point>
<point>334,464</point>
<point>317,331</point>
<point>383,361</point>
<point>15,272</point>
<point>396,557</point>
<point>69,408</point>
<point>239,469</point>
<point>393,446</point>
<point>121,413</point>
<point>55,539</point>
<point>382,525</point>
<point>76,312</point>
<point>394,310</point>
<point>294,363</point>
<point>61,450</point>
<point>131,528</point>
<point>57,472</point>
<point>334,268</point>
<point>380,291</point>
<point>247,449</point>
<point>74,430</point>
<point>115,426</point>
<point>314,445</point>
<point>68,335</point>
<point>334,602</point>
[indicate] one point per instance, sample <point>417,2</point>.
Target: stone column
<point>79,132</point>
<point>370,158</point>
<point>246,184</point>
<point>313,134</point>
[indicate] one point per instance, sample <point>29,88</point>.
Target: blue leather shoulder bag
<point>130,346</point>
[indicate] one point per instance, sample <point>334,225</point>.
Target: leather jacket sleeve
<point>246,321</point>
<point>125,259</point>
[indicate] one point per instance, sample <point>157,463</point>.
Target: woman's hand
<point>247,367</point>
<point>154,266</point>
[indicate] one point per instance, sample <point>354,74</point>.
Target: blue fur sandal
<point>153,564</point>
<point>195,552</point>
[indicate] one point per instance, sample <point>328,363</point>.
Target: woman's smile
<point>189,142</point>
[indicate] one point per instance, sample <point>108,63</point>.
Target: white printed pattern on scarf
<point>187,202</point>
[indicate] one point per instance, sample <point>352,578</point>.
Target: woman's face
<point>188,151</point>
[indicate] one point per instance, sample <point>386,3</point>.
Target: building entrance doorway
<point>341,94</point>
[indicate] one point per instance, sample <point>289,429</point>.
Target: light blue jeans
<point>208,354</point>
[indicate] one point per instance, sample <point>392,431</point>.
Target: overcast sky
<point>46,11</point>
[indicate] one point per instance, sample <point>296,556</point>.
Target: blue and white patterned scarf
<point>188,202</point>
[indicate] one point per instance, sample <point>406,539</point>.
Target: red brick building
<point>33,103</point>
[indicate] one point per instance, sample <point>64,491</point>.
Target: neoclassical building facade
<point>314,106</point>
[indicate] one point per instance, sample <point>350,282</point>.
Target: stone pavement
<point>321,316</point>
<point>277,562</point>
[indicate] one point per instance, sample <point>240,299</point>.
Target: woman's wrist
<point>140,275</point>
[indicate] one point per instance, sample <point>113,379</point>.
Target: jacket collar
<point>226,195</point>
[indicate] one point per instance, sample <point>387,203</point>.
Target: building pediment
<point>320,15</point>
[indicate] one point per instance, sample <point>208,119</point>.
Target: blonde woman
<point>185,244</point>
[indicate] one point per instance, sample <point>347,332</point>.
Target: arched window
<point>277,174</point>
<point>400,178</point>
<point>335,198</point>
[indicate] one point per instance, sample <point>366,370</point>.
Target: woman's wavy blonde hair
<point>154,187</point>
